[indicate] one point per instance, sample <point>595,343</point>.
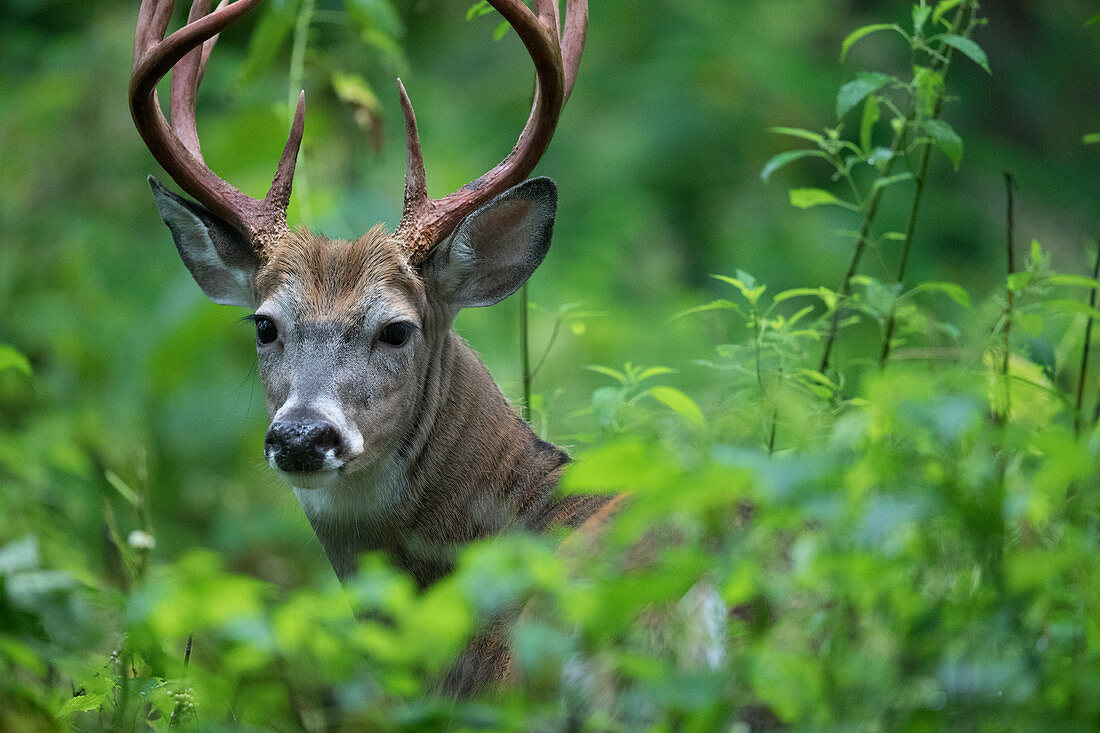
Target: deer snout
<point>303,443</point>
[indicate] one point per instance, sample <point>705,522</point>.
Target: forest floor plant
<point>902,543</point>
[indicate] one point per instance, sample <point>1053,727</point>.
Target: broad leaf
<point>790,156</point>
<point>945,138</point>
<point>967,47</point>
<point>679,403</point>
<point>857,90</point>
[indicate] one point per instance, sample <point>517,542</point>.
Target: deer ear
<point>219,258</point>
<point>496,248</point>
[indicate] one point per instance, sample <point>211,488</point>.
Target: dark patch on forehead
<point>332,277</point>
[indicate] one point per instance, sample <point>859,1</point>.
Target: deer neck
<point>469,467</point>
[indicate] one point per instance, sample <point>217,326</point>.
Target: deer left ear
<point>496,248</point>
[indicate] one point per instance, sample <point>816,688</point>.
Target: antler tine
<point>175,145</point>
<point>426,221</point>
<point>185,86</point>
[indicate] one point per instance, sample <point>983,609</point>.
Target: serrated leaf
<point>859,33</point>
<point>855,91</point>
<point>967,47</point>
<point>945,138</point>
<point>679,403</point>
<point>798,132</point>
<point>954,291</point>
<point>790,156</point>
<point>12,358</point>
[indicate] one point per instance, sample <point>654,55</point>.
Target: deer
<point>389,428</point>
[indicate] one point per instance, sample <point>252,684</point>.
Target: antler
<point>176,145</point>
<point>426,221</point>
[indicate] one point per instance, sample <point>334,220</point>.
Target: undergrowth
<point>899,541</point>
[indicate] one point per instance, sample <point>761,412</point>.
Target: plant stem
<point>1085,350</point>
<point>898,144</point>
<point>524,352</point>
<point>1010,296</point>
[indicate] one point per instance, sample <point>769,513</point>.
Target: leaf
<point>376,15</point>
<point>1018,280</point>
<point>867,122</point>
<point>746,284</point>
<point>1067,305</point>
<point>1094,20</point>
<point>1079,280</point>
<point>11,358</point>
<point>858,89</point>
<point>859,33</point>
<point>501,30</point>
<point>679,403</point>
<point>653,371</point>
<point>1093,138</point>
<point>827,296</point>
<point>805,198</point>
<point>607,372</point>
<point>967,47</point>
<point>790,156</point>
<point>478,9</point>
<point>714,305</point>
<point>920,17</point>
<point>81,704</point>
<point>271,33</point>
<point>353,90</point>
<point>798,132</point>
<point>880,157</point>
<point>929,90</point>
<point>954,291</point>
<point>943,8</point>
<point>890,180</point>
<point>945,138</point>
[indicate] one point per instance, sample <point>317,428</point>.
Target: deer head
<point>350,334</point>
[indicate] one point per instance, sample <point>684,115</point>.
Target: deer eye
<point>396,334</point>
<point>266,332</point>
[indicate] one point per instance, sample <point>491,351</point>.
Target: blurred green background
<point>657,160</point>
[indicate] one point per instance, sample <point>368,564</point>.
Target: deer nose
<point>301,443</point>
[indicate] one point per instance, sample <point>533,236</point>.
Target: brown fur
<point>473,467</point>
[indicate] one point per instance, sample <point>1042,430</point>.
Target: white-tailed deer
<point>384,421</point>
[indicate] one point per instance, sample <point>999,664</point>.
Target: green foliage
<point>908,546</point>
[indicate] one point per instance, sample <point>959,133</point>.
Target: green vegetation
<point>879,448</point>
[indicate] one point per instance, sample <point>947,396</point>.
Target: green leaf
<point>1093,138</point>
<point>891,180</point>
<point>608,372</point>
<point>1067,305</point>
<point>967,47</point>
<point>1079,280</point>
<point>1018,280</point>
<point>501,30</point>
<point>798,132</point>
<point>653,371</point>
<point>478,9</point>
<point>929,89</point>
<point>714,305</point>
<point>954,291</point>
<point>746,284</point>
<point>920,17</point>
<point>11,358</point>
<point>827,296</point>
<point>942,9</point>
<point>867,122</point>
<point>805,198</point>
<point>679,403</point>
<point>858,89</point>
<point>790,156</point>
<point>1094,20</point>
<point>266,41</point>
<point>859,33</point>
<point>81,704</point>
<point>376,15</point>
<point>945,138</point>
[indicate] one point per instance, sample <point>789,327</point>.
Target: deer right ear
<point>219,258</point>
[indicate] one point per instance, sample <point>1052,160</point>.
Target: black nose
<point>299,443</point>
